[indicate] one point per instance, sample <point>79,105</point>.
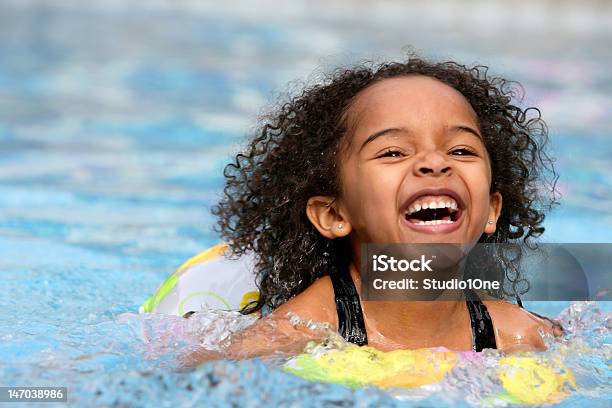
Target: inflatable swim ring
<point>525,379</point>
<point>531,380</point>
<point>355,367</point>
<point>208,280</point>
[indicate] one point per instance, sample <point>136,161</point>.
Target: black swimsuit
<point>352,326</point>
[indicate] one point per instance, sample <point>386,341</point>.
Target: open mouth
<point>433,210</point>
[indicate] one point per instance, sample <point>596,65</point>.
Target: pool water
<point>116,122</point>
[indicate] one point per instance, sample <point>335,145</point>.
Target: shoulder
<point>517,329</point>
<point>316,303</point>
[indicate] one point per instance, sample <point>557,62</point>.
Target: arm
<point>286,330</point>
<point>273,334</point>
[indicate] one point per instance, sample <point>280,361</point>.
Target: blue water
<point>115,124</point>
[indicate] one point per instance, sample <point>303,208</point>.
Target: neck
<point>422,319</point>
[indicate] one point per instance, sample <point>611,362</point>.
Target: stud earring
<point>490,222</point>
<point>340,226</point>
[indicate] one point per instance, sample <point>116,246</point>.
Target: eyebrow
<point>454,129</point>
<point>380,133</point>
<point>460,128</point>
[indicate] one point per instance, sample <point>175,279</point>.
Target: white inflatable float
<point>207,281</point>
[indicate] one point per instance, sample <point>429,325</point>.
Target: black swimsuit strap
<point>351,325</point>
<point>350,316</point>
<point>480,320</point>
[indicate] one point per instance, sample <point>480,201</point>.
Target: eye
<point>463,151</point>
<point>390,153</point>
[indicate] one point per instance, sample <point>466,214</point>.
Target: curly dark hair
<point>293,157</point>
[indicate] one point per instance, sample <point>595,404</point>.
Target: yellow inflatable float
<point>530,380</point>
<point>525,379</point>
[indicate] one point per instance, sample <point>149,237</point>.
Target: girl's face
<point>415,169</point>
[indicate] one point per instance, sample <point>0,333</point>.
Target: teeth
<point>414,208</point>
<point>435,222</point>
<point>451,205</point>
<point>432,204</point>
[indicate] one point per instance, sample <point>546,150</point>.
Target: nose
<point>433,164</point>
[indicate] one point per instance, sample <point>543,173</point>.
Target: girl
<point>350,161</point>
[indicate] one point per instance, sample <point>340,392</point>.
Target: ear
<point>495,206</point>
<point>323,213</point>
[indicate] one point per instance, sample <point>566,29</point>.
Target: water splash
<point>574,366</point>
